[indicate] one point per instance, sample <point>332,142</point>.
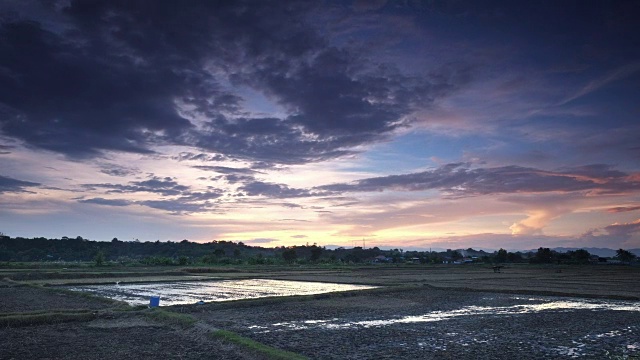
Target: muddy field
<point>132,337</point>
<point>608,281</point>
<point>426,323</point>
<point>28,299</point>
<point>435,312</point>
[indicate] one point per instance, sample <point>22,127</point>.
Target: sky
<point>397,124</point>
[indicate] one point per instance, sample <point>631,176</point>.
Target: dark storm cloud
<point>164,186</point>
<point>11,185</point>
<point>459,180</point>
<point>123,76</point>
<point>335,103</point>
<point>79,96</point>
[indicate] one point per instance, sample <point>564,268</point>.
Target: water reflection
<point>191,292</point>
<point>433,316</point>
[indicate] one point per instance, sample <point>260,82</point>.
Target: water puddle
<point>584,345</point>
<point>191,292</point>
<point>461,331</point>
<point>435,316</point>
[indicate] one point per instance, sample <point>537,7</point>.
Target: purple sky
<point>419,124</point>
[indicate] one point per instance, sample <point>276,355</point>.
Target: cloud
<point>272,190</point>
<point>619,209</point>
<point>613,75</point>
<point>164,186</point>
<point>594,171</point>
<point>108,202</point>
<point>458,179</point>
<point>234,178</point>
<point>122,107</point>
<point>176,206</point>
<point>117,170</point>
<point>522,229</point>
<point>212,194</point>
<point>187,156</point>
<point>226,170</point>
<point>4,149</point>
<point>292,206</point>
<point>299,236</point>
<point>261,241</point>
<point>537,220</point>
<point>541,194</point>
<point>117,77</point>
<point>183,200</point>
<point>11,185</point>
<point>525,242</point>
<point>624,229</point>
<point>190,202</point>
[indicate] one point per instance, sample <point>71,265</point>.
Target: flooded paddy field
<point>427,323</point>
<point>192,292</point>
<point>416,312</point>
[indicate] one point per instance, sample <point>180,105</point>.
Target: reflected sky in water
<point>540,305</point>
<point>191,292</point>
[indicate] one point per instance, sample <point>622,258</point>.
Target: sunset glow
<point>510,125</point>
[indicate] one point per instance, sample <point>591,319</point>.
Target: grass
<point>188,321</point>
<point>268,351</point>
<point>17,320</point>
<point>171,318</point>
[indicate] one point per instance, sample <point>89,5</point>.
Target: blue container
<point>155,301</point>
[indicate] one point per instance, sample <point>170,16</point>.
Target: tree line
<point>68,249</point>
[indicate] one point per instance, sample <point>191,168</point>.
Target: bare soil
<point>407,291</point>
<point>352,326</point>
<point>592,280</point>
<point>131,338</point>
<point>15,299</point>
